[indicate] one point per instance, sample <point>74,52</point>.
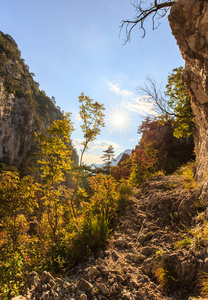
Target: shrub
<point>125,191</point>
<point>11,274</point>
<point>186,171</point>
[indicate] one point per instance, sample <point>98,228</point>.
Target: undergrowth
<point>23,249</point>
<point>187,175</point>
<point>204,285</point>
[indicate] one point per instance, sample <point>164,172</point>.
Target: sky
<point>74,46</point>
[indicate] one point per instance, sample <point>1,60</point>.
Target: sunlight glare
<point>118,120</point>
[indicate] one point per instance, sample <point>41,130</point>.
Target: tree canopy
<point>180,103</point>
<point>174,104</point>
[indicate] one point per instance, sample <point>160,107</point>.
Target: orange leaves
<point>137,168</point>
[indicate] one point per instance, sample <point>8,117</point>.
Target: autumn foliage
<point>47,223</point>
<point>138,167</point>
<point>62,211</point>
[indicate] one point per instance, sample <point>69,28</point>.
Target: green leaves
<point>180,103</point>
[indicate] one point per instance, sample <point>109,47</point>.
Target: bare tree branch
<point>158,8</point>
<point>155,95</point>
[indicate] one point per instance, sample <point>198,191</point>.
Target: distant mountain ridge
<point>116,160</point>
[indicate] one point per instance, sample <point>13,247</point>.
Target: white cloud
<point>93,154</point>
<point>77,117</point>
<point>141,106</point>
<point>90,158</point>
<point>116,89</point>
<point>77,143</point>
<point>95,145</point>
<point>103,145</point>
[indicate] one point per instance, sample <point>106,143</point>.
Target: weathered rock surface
<point>23,107</point>
<point>189,23</point>
<point>18,122</point>
<point>142,246</point>
<point>17,126</point>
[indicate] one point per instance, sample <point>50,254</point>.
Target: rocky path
<point>140,260</point>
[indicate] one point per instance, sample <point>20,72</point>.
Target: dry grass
<point>186,172</point>
<point>165,278</point>
<point>204,285</point>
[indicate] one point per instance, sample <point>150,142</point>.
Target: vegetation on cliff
<point>18,80</point>
<point>25,109</point>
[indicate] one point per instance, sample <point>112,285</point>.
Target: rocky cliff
<point>17,123</point>
<point>189,23</point>
<point>24,109</point>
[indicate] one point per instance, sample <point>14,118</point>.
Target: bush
<point>125,191</point>
<point>11,274</point>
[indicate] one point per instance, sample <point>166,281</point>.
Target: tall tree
<point>92,116</point>
<point>180,104</point>
<point>107,157</point>
<point>55,161</point>
<point>91,113</point>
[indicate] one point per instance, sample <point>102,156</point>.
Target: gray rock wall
<point>189,23</point>
<point>17,126</point>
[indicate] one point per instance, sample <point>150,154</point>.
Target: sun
<point>118,120</point>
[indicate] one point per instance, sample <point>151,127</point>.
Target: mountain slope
<point>118,158</point>
<point>147,257</point>
<point>24,109</point>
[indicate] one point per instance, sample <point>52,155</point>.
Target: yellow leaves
<point>82,193</point>
<point>55,155</point>
<point>105,194</point>
<point>15,192</point>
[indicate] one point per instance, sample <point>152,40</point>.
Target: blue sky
<point>74,47</point>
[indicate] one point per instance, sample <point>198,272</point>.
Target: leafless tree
<point>156,8</point>
<point>153,94</point>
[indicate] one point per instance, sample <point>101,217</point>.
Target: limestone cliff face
<point>189,23</point>
<point>24,109</point>
<point>17,126</point>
